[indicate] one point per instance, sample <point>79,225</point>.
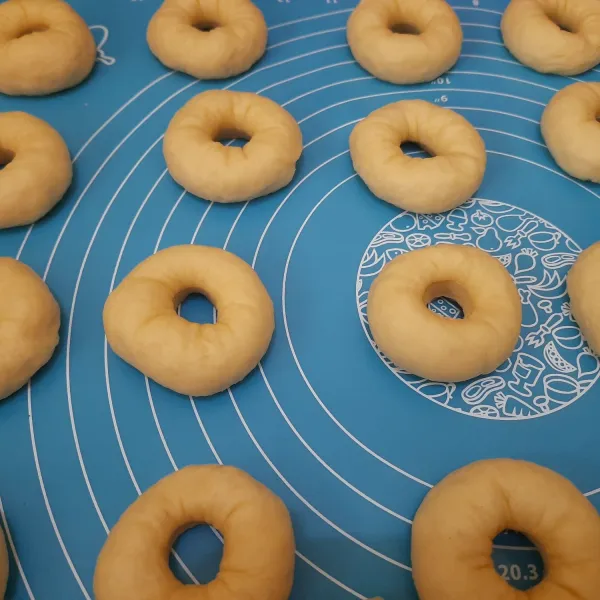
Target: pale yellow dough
<point>435,347</point>
<point>3,565</point>
<point>37,170</point>
<point>29,323</point>
<point>553,36</point>
<point>200,163</point>
<point>45,47</point>
<point>422,185</point>
<point>583,285</point>
<point>142,325</point>
<point>571,131</point>
<point>430,50</point>
<point>456,524</point>
<point>208,39</point>
<point>258,556</point>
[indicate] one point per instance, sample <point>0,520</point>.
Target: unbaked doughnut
<point>553,36</point>
<point>571,131</point>
<point>422,185</point>
<point>45,47</point>
<point>405,41</point>
<point>3,565</point>
<point>456,524</point>
<point>200,163</point>
<point>29,322</point>
<point>436,347</point>
<point>258,556</point>
<point>583,286</point>
<point>37,170</point>
<point>143,327</point>
<point>211,39</point>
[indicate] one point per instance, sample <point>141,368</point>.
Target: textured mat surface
<point>351,444</point>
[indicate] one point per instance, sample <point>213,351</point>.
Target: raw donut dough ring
<point>3,565</point>
<point>405,57</point>
<point>258,556</point>
<point>38,168</point>
<point>571,131</point>
<point>144,329</point>
<point>29,323</point>
<point>236,40</point>
<point>532,33</point>
<point>436,347</point>
<point>583,286</point>
<point>422,185</point>
<point>456,524</point>
<point>200,163</point>
<point>45,47</point>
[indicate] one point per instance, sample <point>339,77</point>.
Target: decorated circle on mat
<point>551,366</point>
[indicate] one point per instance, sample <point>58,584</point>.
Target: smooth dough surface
<point>456,524</point>
<point>422,185</point>
<point>37,171</point>
<point>201,164</point>
<point>236,39</point>
<point>436,347</point>
<point>583,286</point>
<point>29,323</point>
<point>402,57</point>
<point>142,325</point>
<point>258,556</point>
<point>553,36</point>
<point>45,47</point>
<point>3,565</point>
<point>571,131</point>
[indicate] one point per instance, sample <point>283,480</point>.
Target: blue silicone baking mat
<point>350,443</point>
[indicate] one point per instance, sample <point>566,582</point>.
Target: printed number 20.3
<point>515,573</point>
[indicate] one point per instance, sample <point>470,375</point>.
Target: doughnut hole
<point>206,25</point>
<point>32,28</point>
<point>413,149</point>
<point>205,19</point>
<point>203,553</point>
<point>404,28</point>
<point>232,136</point>
<point>6,157</point>
<point>195,307</point>
<point>442,292</point>
<point>522,567</point>
<point>404,22</point>
<point>564,20</point>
